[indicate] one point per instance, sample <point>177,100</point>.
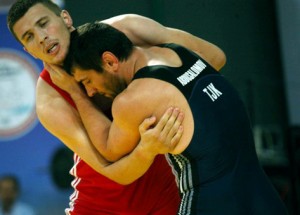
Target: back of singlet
<point>154,193</point>
<point>218,173</point>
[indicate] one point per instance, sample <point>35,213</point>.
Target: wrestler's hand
<point>62,79</point>
<point>163,137</point>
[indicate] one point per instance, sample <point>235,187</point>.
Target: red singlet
<point>155,193</point>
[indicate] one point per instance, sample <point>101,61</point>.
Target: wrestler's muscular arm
<point>143,31</point>
<point>63,121</point>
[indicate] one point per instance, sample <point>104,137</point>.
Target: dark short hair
<point>90,41</point>
<point>20,7</point>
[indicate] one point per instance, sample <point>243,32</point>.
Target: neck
<point>134,63</point>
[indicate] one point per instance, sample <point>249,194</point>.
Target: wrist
<point>74,88</point>
<point>77,93</point>
<point>144,154</point>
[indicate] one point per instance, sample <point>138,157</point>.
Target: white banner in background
<point>18,76</point>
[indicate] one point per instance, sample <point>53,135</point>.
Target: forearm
<point>97,125</point>
<point>124,171</point>
<point>143,31</point>
<point>62,120</point>
<point>130,167</point>
<point>95,122</point>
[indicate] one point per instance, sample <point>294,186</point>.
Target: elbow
<point>109,155</point>
<point>124,183</point>
<point>222,60</point>
<point>219,60</point>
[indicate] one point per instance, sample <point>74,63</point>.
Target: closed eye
<point>86,81</point>
<point>43,24</point>
<point>28,37</point>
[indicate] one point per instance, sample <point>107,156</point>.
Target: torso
<point>218,163</point>
<point>161,94</point>
<point>154,193</point>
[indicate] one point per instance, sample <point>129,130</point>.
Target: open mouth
<point>52,48</point>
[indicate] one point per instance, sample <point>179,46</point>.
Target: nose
<point>90,91</point>
<point>42,36</point>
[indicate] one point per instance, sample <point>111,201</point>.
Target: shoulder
<point>44,89</point>
<point>50,105</point>
<point>45,95</point>
<point>132,106</point>
<point>139,93</point>
<point>129,101</point>
<point>142,98</point>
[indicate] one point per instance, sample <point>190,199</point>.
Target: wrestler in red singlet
<point>155,193</point>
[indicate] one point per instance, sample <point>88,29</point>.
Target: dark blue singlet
<point>219,172</point>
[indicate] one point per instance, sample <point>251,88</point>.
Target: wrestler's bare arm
<point>63,121</point>
<point>112,139</point>
<point>143,31</point>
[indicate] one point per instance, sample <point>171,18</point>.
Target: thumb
<point>146,124</point>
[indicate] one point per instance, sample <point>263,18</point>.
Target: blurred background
<point>261,39</point>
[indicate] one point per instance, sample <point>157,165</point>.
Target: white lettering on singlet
<point>192,73</point>
<point>212,92</point>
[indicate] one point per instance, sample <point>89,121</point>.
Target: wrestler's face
<point>43,34</point>
<point>105,83</point>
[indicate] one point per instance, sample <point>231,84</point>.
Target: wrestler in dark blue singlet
<point>219,172</point>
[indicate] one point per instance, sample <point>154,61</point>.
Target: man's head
<point>9,190</point>
<point>95,58</point>
<point>42,28</point>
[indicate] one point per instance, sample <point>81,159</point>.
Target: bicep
<point>122,139</point>
<point>123,133</point>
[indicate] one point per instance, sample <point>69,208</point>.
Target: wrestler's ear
<point>110,62</point>
<point>67,18</point>
<point>29,53</point>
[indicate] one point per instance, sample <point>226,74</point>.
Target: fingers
<point>165,135</point>
<point>50,68</point>
<point>170,127</point>
<point>173,121</point>
<point>54,74</point>
<point>164,119</point>
<point>54,69</point>
<point>176,138</point>
<point>146,124</point>
<point>174,128</point>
